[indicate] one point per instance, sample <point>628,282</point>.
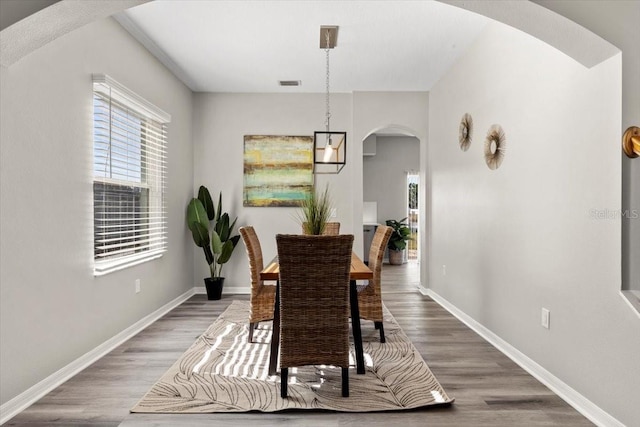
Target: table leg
<point>355,327</point>
<point>275,336</point>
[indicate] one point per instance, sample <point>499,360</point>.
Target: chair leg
<point>345,382</point>
<point>284,378</point>
<point>252,327</point>
<point>381,327</point>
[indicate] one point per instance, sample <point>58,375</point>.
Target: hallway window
<point>129,177</point>
<point>413,215</point>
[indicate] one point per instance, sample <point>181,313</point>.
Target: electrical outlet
<point>544,319</point>
<point>137,286</point>
<point>334,212</point>
<point>444,269</point>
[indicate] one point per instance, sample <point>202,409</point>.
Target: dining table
<point>358,271</point>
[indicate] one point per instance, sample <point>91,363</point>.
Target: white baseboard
<point>580,403</point>
<point>632,298</point>
<point>424,291</point>
<point>22,401</point>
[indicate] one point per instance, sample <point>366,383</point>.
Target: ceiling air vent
<point>289,82</point>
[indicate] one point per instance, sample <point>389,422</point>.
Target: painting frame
<point>278,170</point>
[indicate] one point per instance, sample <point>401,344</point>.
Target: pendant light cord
<point>327,85</point>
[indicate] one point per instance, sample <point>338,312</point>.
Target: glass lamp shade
<point>329,151</point>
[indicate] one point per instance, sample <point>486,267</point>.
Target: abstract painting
<point>278,170</point>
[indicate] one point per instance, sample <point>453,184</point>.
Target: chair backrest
<point>254,253</point>
<point>330,229</point>
<point>376,252</point>
<point>314,299</point>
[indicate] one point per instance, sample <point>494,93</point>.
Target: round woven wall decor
<point>465,131</point>
<point>494,147</point>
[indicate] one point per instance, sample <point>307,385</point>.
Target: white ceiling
<point>247,46</point>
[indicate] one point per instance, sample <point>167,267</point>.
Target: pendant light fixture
<point>329,147</point>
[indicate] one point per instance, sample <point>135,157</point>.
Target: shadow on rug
<point>221,372</point>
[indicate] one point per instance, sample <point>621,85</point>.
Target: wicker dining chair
<point>370,296</point>
<point>330,229</point>
<point>314,303</point>
<point>262,296</point>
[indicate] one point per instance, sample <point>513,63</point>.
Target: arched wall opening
<point>362,126</point>
<point>59,18</point>
<point>391,186</point>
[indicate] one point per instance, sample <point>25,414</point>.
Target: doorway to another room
<point>390,192</point>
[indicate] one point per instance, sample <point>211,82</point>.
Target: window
<point>413,215</point>
<point>129,177</point>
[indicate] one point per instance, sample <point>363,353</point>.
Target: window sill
<point>105,267</point>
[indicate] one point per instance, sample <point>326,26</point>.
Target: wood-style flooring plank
<point>490,389</point>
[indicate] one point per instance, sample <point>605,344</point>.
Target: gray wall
<point>529,235</point>
<point>385,175</point>
<point>18,9</point>
<point>617,22</point>
<point>220,123</point>
<point>53,310</point>
<point>222,120</point>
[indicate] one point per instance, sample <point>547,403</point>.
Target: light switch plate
<point>544,319</point>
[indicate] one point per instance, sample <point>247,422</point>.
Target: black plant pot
<point>214,287</point>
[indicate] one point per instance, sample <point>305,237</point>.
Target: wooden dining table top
<point>359,270</point>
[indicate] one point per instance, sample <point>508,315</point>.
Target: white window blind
<point>129,177</point>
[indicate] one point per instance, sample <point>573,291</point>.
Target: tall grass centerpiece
<point>315,212</point>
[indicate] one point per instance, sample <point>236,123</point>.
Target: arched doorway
<point>390,168</point>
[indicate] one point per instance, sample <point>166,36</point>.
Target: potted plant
<point>398,240</point>
<point>315,213</point>
<point>212,231</point>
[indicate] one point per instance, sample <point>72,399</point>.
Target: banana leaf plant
<point>211,230</point>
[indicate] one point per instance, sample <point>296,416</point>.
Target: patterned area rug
<point>221,372</point>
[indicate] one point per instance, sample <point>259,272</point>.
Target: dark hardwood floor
<point>490,389</point>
